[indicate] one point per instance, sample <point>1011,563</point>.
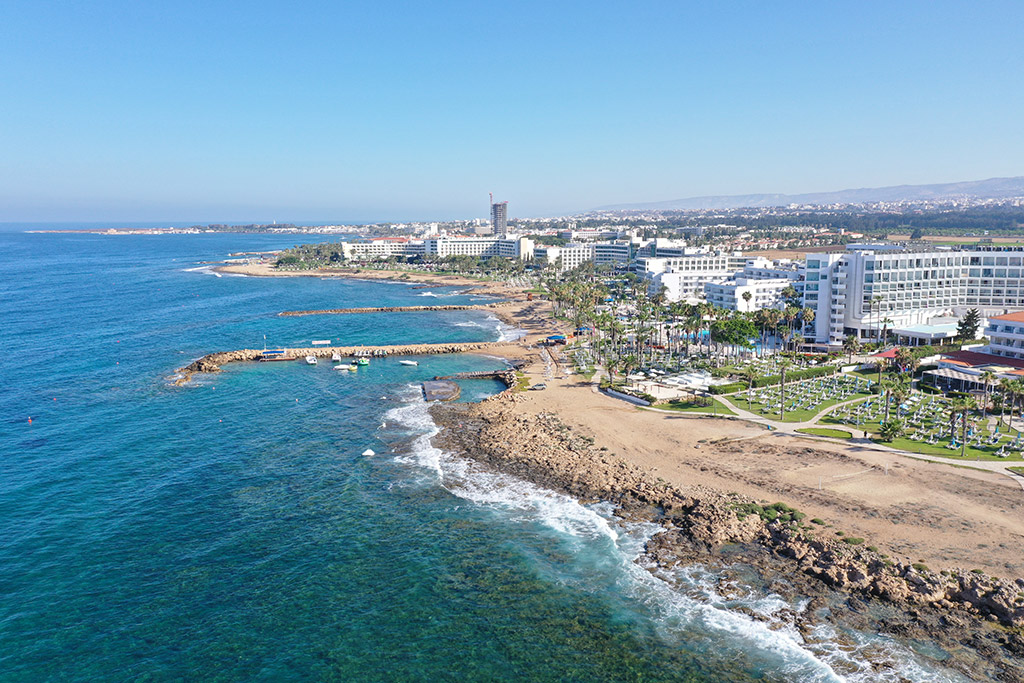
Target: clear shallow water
<point>231,530</point>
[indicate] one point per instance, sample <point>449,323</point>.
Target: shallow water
<point>231,530</point>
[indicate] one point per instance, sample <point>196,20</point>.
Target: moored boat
<point>409,362</point>
<point>363,361</point>
<point>310,360</point>
<point>335,357</point>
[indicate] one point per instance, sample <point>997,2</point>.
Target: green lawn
<point>939,448</point>
<point>1017,470</point>
<point>718,408</point>
<point>801,415</point>
<point>825,431</point>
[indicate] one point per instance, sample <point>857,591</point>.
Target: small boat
<point>369,452</point>
<point>310,360</point>
<point>335,357</point>
<point>363,361</point>
<point>408,362</point>
<point>351,366</point>
<point>341,367</point>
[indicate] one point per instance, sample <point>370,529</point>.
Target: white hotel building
<point>908,288</point>
<point>485,247</point>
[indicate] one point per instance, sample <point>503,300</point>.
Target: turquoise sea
<point>231,530</point>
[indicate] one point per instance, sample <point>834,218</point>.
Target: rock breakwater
<point>213,362</point>
<point>395,309</point>
<point>952,607</point>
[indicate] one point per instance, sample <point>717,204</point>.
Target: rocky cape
<point>977,619</point>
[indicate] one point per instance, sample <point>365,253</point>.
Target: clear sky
<point>361,111</point>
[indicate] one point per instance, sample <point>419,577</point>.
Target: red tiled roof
<point>1010,317</point>
<point>891,353</point>
<point>975,359</point>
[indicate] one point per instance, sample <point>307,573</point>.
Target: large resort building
<point>913,292</point>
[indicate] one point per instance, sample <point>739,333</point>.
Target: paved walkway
<point>790,429</point>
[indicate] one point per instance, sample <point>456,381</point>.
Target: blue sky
<point>211,111</point>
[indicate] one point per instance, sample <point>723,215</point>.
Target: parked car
<point>539,387</point>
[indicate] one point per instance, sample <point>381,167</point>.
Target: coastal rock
<point>701,524</point>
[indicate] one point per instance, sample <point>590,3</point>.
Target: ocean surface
<point>231,530</point>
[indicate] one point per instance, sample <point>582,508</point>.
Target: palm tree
<point>750,375</point>
<point>875,306</point>
<point>797,340</point>
<point>987,379</point>
<point>851,345</point>
<point>885,328</point>
<point>747,296</point>
<point>807,315</point>
<point>783,366</point>
<point>963,406</point>
<point>1007,387</point>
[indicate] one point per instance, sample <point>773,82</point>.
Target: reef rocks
<point>706,526</point>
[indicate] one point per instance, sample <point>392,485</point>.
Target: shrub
<point>727,388</point>
<point>891,430</point>
<point>853,540</point>
<point>819,522</point>
<point>920,567</point>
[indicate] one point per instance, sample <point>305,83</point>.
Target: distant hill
<point>993,188</point>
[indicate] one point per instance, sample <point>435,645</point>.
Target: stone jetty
<point>508,377</point>
<point>397,309</point>
<point>212,362</point>
<point>441,390</point>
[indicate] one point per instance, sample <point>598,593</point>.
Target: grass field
<point>718,408</point>
<point>825,431</point>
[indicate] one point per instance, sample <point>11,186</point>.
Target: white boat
<point>335,357</point>
<point>310,360</point>
<point>408,362</point>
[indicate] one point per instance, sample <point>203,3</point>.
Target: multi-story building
<point>569,257</point>
<point>871,287</point>
<point>499,219</point>
<point>381,248</point>
<point>617,254</point>
<point>764,293</point>
<point>1005,335</point>
<point>483,247</point>
<point>683,277</point>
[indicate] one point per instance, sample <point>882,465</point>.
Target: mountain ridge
<point>991,188</point>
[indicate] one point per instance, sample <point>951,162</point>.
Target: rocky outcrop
<point>699,523</point>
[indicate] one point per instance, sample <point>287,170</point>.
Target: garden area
<point>802,400</point>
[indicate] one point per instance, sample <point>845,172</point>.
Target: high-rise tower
<point>499,218</point>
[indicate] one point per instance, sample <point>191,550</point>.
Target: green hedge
<point>794,376</point>
<point>727,388</point>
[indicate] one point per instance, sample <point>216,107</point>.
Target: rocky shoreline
<point>977,619</point>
